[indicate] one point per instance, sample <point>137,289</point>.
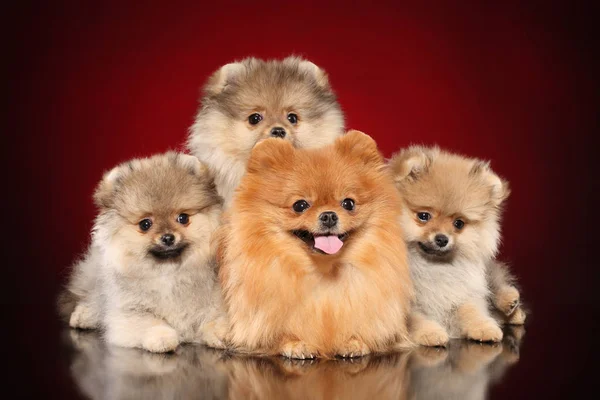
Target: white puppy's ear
<point>104,193</point>
<point>219,80</point>
<point>499,188</point>
<point>410,163</point>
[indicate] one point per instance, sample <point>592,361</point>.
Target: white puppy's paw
<point>83,317</point>
<point>160,339</point>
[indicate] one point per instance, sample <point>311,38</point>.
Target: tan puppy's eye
<point>459,224</point>
<point>145,224</point>
<point>255,118</point>
<point>293,118</point>
<point>423,216</point>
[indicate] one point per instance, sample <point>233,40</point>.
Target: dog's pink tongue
<point>328,244</point>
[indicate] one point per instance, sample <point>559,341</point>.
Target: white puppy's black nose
<point>441,240</point>
<point>328,219</point>
<point>168,239</point>
<point>278,132</point>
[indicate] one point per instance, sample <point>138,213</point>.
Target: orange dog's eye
<point>459,224</point>
<point>348,204</point>
<point>300,206</point>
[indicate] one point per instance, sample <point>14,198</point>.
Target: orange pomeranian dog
<point>312,258</point>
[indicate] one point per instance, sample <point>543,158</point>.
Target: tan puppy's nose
<point>441,240</point>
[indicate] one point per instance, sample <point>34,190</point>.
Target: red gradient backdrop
<point>95,84</point>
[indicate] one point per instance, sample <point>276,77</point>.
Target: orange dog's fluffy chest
<point>324,304</point>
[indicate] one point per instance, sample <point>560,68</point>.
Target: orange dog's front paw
<point>353,348</point>
<point>298,350</point>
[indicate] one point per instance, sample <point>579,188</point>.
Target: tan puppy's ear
<point>269,154</point>
<point>410,163</point>
<point>360,146</point>
<point>310,69</point>
<point>219,80</point>
<point>499,188</point>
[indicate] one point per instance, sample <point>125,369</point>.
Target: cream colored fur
<point>136,298</point>
<point>221,135</point>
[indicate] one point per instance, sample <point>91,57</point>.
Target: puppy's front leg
<point>214,332</point>
<point>476,324</point>
<point>353,348</point>
<point>298,349</point>
<point>141,330</point>
<point>85,316</point>
<point>427,332</point>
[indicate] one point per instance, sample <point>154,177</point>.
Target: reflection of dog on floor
<point>102,371</point>
<point>368,377</point>
<point>464,370</point>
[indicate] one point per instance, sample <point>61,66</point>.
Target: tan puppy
<point>451,222</point>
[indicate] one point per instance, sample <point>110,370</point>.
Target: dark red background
<point>92,85</point>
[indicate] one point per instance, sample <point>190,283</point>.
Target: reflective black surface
<point>465,370</point>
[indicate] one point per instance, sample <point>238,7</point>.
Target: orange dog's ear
<point>269,154</point>
<point>409,163</point>
<point>360,146</point>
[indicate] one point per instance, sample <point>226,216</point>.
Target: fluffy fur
<point>222,135</point>
<point>451,265</point>
<point>145,292</point>
<point>286,297</point>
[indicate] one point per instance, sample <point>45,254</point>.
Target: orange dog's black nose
<point>328,219</point>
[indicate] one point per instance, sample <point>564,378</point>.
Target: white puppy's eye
<point>423,216</point>
<point>255,118</point>
<point>145,224</point>
<point>293,118</point>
